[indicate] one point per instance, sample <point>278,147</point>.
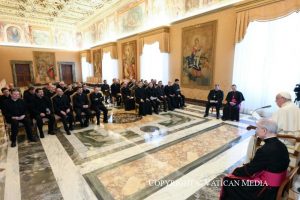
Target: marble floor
<point>173,155</point>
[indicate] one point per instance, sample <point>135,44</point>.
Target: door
<point>23,74</point>
<point>66,73</point>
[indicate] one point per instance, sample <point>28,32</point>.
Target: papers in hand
<point>213,101</point>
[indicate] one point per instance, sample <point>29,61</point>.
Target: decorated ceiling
<point>51,12</point>
<point>81,24</point>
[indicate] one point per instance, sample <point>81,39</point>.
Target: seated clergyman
<point>262,176</point>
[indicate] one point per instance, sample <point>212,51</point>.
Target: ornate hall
<point>149,99</point>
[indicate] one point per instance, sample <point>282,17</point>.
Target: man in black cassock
<point>160,90</point>
<point>141,98</point>
<point>97,105</point>
<point>179,97</point>
<point>42,108</point>
<point>232,108</point>
<point>151,94</point>
<point>169,92</point>
<point>5,95</point>
<point>85,90</point>
<point>15,112</point>
<point>81,104</point>
<point>106,91</point>
<point>128,100</point>
<point>116,91</point>
<point>215,98</point>
<point>261,177</point>
<point>62,108</point>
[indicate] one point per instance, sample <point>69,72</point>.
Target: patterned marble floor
<point>173,155</point>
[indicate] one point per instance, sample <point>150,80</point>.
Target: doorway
<point>22,73</point>
<point>67,72</point>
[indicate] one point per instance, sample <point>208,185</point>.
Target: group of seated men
<point>231,110</point>
<point>42,104</point>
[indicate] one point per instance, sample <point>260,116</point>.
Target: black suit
<point>129,103</point>
<point>116,92</point>
<point>160,91</point>
<point>61,103</point>
<point>170,96</point>
<point>106,91</point>
<point>214,95</point>
<point>97,106</point>
<point>179,98</point>
<point>151,94</point>
<point>78,101</point>
<point>16,109</point>
<point>43,105</point>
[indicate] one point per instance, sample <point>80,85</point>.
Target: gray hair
<point>268,124</point>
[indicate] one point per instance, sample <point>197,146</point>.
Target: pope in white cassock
<point>287,117</point>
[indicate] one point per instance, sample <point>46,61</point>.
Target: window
<point>109,68</point>
<point>154,64</point>
<point>267,61</point>
<point>87,69</point>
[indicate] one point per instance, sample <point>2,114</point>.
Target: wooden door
<point>23,75</point>
<point>66,73</point>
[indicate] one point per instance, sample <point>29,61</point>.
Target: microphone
<point>255,115</point>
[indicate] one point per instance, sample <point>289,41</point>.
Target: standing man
<point>232,108</point>
<point>63,109</point>
<point>42,108</point>
<point>97,105</point>
<point>215,98</point>
<point>81,104</point>
<point>15,112</point>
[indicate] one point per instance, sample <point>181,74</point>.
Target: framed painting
<point>97,63</point>
<point>44,67</point>
<point>198,52</point>
<point>129,60</point>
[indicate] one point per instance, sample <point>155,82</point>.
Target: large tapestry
<point>198,44</point>
<point>97,63</point>
<point>129,55</point>
<point>44,67</point>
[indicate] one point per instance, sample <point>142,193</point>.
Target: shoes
<point>218,117</point>
<point>205,115</point>
<point>33,139</point>
<point>165,110</point>
<point>51,133</point>
<point>42,135</point>
<point>98,123</point>
<point>13,144</point>
<point>71,128</point>
<point>105,121</point>
<point>68,133</point>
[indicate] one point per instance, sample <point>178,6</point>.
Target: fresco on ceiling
<point>41,37</point>
<point>100,30</point>
<point>191,5</point>
<point>14,34</point>
<point>111,27</point>
<point>24,34</point>
<point>156,12</point>
<point>133,18</point>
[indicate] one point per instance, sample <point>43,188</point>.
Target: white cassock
<point>288,120</point>
<point>287,117</point>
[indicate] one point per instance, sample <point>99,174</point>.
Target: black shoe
<point>13,144</point>
<point>98,123</point>
<point>105,121</point>
<point>42,135</point>
<point>218,117</point>
<point>71,128</point>
<point>51,133</point>
<point>205,115</point>
<point>33,139</point>
<point>68,133</point>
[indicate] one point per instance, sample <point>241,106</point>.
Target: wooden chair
<point>284,191</point>
<point>292,149</point>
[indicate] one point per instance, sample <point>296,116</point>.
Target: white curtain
<point>109,68</point>
<point>267,62</point>
<point>87,69</point>
<point>154,64</point>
